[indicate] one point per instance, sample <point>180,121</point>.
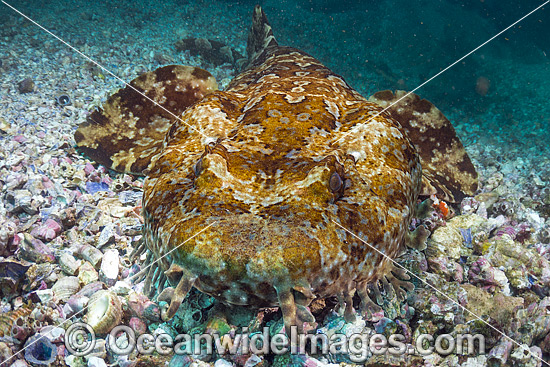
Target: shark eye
<point>335,182</point>
<point>197,169</point>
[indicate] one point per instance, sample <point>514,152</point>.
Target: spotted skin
<point>272,167</point>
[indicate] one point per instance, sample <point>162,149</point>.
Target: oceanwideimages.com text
<point>122,340</point>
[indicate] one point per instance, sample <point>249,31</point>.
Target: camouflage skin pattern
<point>273,167</point>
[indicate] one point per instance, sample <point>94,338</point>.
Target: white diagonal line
<point>101,66</point>
<point>436,290</point>
<point>447,68</point>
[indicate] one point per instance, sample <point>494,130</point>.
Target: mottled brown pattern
<point>129,130</point>
<point>446,167</point>
<point>271,165</point>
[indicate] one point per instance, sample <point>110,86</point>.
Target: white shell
<point>108,272</point>
<point>104,311</point>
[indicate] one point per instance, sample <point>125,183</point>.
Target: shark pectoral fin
<point>446,167</point>
<point>128,131</point>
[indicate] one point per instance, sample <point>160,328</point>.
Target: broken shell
<point>32,249</point>
<point>87,274</point>
<point>26,86</point>
<point>55,334</point>
<point>69,264</point>
<point>40,351</point>
<point>64,288</point>
<point>90,289</point>
<point>499,354</point>
<point>75,304</point>
<point>99,350</point>
<point>94,361</point>
<point>104,311</point>
<point>143,307</point>
<point>4,126</point>
<point>108,273</point>
<point>19,332</point>
<point>8,230</point>
<point>47,231</point>
<point>138,325</point>
<point>107,236</point>
<point>20,200</point>
<point>121,288</point>
<point>9,319</point>
<point>91,254</point>
<point>20,329</point>
<point>44,295</point>
<point>19,363</point>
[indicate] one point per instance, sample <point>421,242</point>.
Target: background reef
<point>66,223</point>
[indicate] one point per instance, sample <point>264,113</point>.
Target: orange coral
<point>440,206</point>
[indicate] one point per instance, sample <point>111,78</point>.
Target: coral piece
<point>481,272</point>
<point>527,357</point>
<point>445,242</point>
<point>417,239</point>
<point>523,266</point>
<point>532,325</point>
<point>449,240</point>
<point>450,270</point>
<point>498,307</point>
<point>498,355</point>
